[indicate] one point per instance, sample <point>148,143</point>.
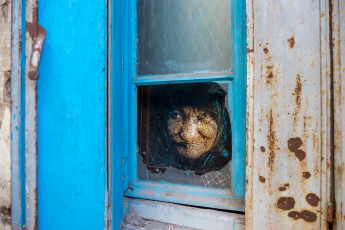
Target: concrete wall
<point>5,113</point>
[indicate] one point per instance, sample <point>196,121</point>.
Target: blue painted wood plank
<point>72,115</point>
<point>117,116</point>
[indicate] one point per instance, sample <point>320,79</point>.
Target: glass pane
<point>184,134</point>
<point>183,36</point>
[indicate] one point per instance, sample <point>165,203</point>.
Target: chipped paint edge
<point>326,113</point>
<point>338,35</point>
<point>250,116</point>
<point>23,119</point>
<point>15,111</point>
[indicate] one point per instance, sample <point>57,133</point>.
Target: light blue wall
<point>72,115</point>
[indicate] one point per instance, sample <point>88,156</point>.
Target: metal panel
<point>288,114</point>
<point>15,116</point>
<point>338,33</point>
<point>30,117</point>
<point>72,116</point>
<point>24,138</point>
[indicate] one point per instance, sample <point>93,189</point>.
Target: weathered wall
<point>5,105</point>
<point>288,123</point>
<point>338,26</point>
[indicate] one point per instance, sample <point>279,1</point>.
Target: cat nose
<point>190,132</point>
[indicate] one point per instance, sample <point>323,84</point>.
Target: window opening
<point>186,97</point>
<point>185,134</point>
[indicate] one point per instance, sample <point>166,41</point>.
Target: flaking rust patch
<point>271,138</point>
<point>294,145</point>
<point>262,179</point>
<point>291,41</point>
<point>286,203</point>
<point>312,199</point>
<point>284,187</point>
<point>306,215</point>
<point>306,175</point>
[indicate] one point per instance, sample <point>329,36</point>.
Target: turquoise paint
<point>236,89</point>
<point>118,119</point>
<point>154,80</point>
<point>239,96</point>
<point>72,115</point>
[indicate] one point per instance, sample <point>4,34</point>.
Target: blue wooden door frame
<point>123,59</point>
<point>72,122</point>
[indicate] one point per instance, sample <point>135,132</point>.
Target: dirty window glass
<point>184,134</point>
<point>183,36</point>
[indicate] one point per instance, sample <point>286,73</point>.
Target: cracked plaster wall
<point>5,113</point>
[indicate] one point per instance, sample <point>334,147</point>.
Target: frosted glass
<point>183,36</point>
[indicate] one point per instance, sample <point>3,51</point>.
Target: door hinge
<point>36,52</point>
<point>330,213</point>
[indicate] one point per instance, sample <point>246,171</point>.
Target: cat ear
<point>215,88</point>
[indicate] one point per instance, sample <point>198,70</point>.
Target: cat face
<point>192,131</point>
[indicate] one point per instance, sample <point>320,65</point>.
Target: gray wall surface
<point>5,114</point>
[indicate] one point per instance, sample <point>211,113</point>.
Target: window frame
<point>184,194</point>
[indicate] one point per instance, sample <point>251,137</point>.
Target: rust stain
<point>269,72</point>
<point>293,145</point>
<point>294,215</point>
<point>297,93</point>
<point>306,215</point>
<point>339,169</point>
<point>271,142</point>
<point>262,179</point>
<point>291,41</point>
<point>300,154</point>
<point>306,175</point>
<point>250,50</point>
<point>262,148</point>
<point>312,199</point>
<point>286,203</point>
<point>283,187</point>
<point>330,212</point>
<point>31,28</point>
